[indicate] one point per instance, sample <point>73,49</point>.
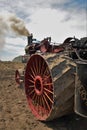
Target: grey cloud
<point>79,27</point>
<point>72,8</point>
<point>59,4</point>
<point>67,18</point>
<point>25,8</point>
<point>69,4</point>
<point>16,7</point>
<point>13,45</point>
<point>26,4</point>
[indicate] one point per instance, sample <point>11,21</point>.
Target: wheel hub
<point>38,85</point>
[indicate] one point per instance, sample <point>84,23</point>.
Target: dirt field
<point>15,113</point>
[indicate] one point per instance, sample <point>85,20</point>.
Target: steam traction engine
<point>56,79</point>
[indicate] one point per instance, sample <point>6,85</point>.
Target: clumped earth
<point>15,113</point>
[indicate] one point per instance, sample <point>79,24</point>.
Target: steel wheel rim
<point>39,87</point>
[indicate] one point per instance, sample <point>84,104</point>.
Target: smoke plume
<point>11,23</point>
<point>17,25</point>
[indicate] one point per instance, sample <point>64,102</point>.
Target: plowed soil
<point>15,113</point>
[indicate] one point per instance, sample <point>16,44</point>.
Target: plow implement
<point>19,76</point>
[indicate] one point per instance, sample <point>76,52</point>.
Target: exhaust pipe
<point>30,37</point>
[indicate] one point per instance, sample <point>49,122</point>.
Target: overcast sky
<point>56,18</point>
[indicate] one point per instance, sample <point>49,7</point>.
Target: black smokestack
<point>30,38</point>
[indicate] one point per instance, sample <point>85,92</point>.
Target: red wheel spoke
<point>32,77</point>
<point>36,99</point>
<point>31,92</point>
<point>31,81</point>
<point>33,96</point>
<point>47,76</point>
<point>48,106</point>
<point>40,101</point>
<point>36,64</point>
<point>42,106</point>
<point>47,84</point>
<point>45,71</point>
<point>38,104</point>
<point>42,66</point>
<point>48,90</point>
<point>43,102</point>
<point>48,97</point>
<point>31,86</point>
<point>33,72</point>
<point>38,67</point>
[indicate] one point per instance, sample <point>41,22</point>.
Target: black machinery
<point>55,80</point>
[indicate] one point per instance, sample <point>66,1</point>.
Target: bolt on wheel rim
<point>39,87</point>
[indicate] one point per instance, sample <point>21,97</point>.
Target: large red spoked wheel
<point>39,87</point>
